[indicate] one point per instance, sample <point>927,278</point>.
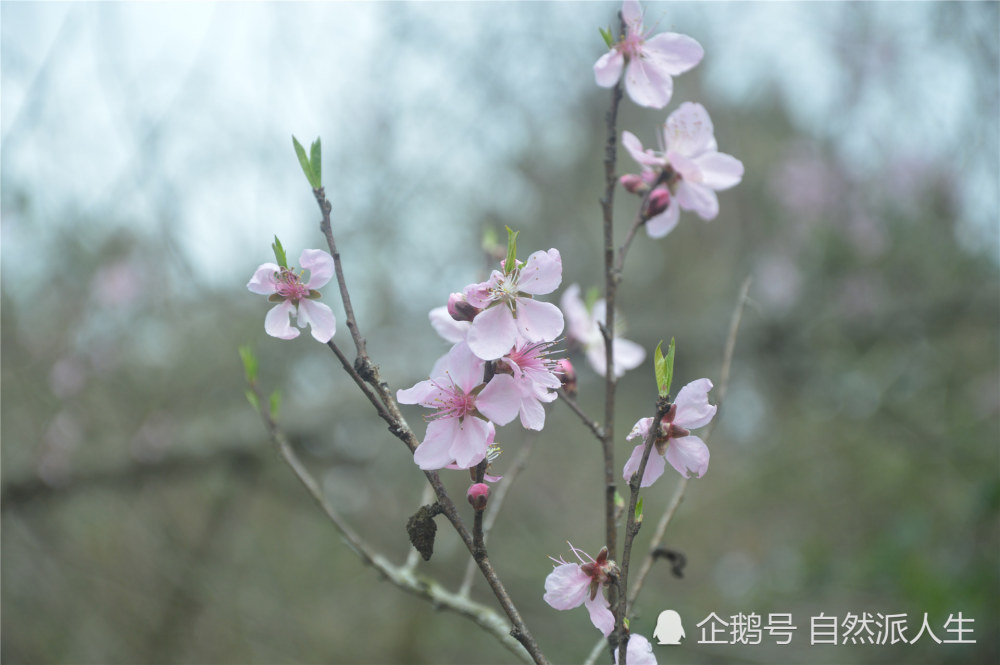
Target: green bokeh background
<point>855,466</point>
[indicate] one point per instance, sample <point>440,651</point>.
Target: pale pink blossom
<point>686,452</point>
<point>535,374</point>
<point>697,170</point>
<point>583,329</point>
<point>447,327</point>
<point>509,311</point>
<point>296,297</point>
<point>459,430</point>
<point>649,62</point>
<point>638,652</point>
<point>570,585</point>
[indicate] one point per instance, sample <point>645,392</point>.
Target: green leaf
<point>279,253</point>
<point>252,398</point>
<point>511,262</point>
<point>275,403</point>
<point>249,362</point>
<point>664,368</point>
<point>608,39</point>
<point>619,500</point>
<point>638,510</point>
<point>304,163</point>
<point>316,162</point>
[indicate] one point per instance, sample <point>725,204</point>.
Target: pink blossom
<point>508,310</point>
<point>570,585</point>
<point>459,432</point>
<point>536,378</point>
<point>685,452</point>
<point>583,329</point>
<point>492,453</point>
<point>296,297</point>
<point>638,652</point>
<point>447,327</point>
<point>652,61</point>
<point>697,169</point>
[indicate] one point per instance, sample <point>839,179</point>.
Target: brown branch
<point>326,228</point>
<point>496,502</point>
<point>400,576</point>
<point>608,325</point>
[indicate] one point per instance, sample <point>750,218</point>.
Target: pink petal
<point>320,267</point>
<point>319,317</point>
<point>532,412</point>
<point>493,333</point>
<point>635,149</point>
<point>276,323</point>
<point>424,392</point>
<point>542,273</point>
<point>638,652</point>
<point>665,222</point>
<point>500,400</point>
<point>468,447</point>
<point>600,615</point>
<point>647,84</point>
<point>641,430</point>
<point>699,199</point>
<point>478,295</point>
<point>575,311</point>
<point>537,321</point>
<point>673,53</point>
<point>596,356</point>
<point>462,367</point>
<point>689,455</point>
<point>451,330</point>
<point>632,15</point>
<point>693,409</point>
<point>628,355</point>
<point>435,450</point>
<point>689,130</point>
<point>655,465</point>
<point>262,281</point>
<point>608,68</point>
<point>566,587</point>
<point>719,170</point>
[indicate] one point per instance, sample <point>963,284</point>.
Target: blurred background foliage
<point>146,164</point>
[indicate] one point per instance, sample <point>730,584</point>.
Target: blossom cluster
<point>499,367</point>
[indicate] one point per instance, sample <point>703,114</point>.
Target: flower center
<point>453,403</point>
<point>631,45</point>
<point>289,285</point>
<point>506,289</point>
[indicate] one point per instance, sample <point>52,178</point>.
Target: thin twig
<point>608,327</point>
<point>632,526</point>
<point>327,229</point>
<point>496,503</point>
<point>678,495</point>
<point>593,425</point>
<point>399,576</point>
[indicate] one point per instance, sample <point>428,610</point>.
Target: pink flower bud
<point>633,183</point>
<point>658,201</point>
<point>460,309</point>
<point>478,495</point>
<point>566,373</point>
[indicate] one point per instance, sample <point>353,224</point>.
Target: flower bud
<point>460,309</point>
<point>478,495</point>
<point>658,201</point>
<point>564,368</point>
<point>634,184</point>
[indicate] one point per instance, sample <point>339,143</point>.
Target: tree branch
<point>400,576</point>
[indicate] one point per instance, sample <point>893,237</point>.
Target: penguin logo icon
<point>669,629</point>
